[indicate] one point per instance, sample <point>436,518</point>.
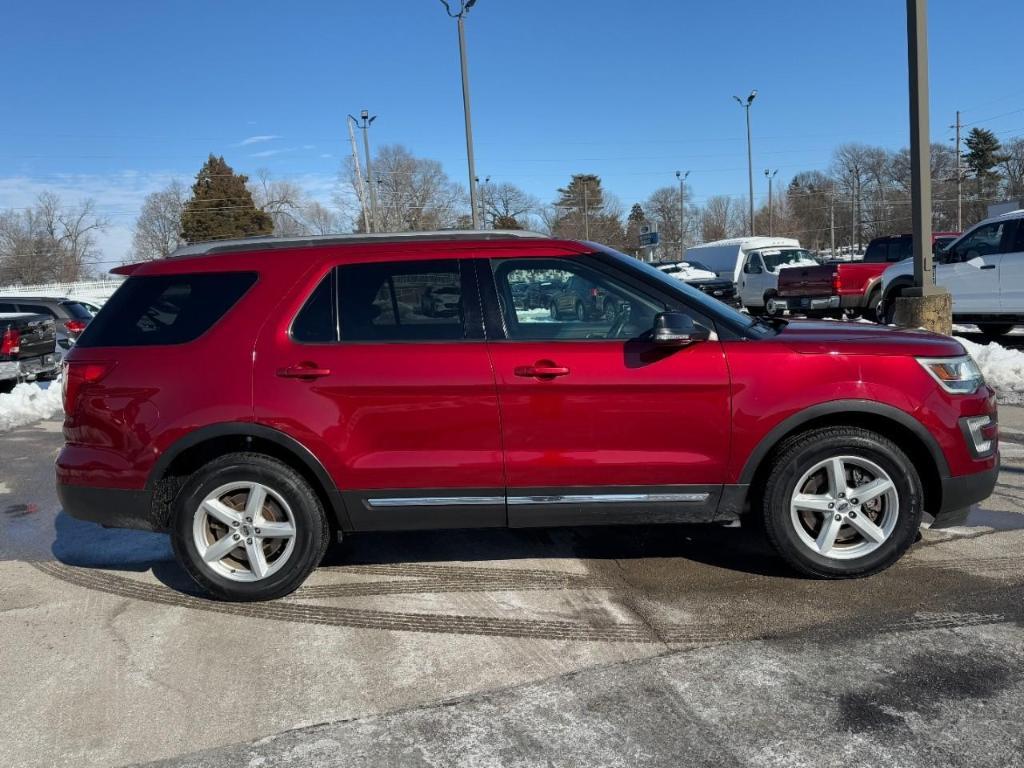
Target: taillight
<point>837,282</point>
<point>78,375</point>
<point>11,342</point>
<point>74,326</point>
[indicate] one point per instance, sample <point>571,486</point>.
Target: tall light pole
<point>464,6</point>
<point>367,121</point>
<point>682,211</point>
<point>927,304</point>
<point>770,175</point>
<point>750,161</point>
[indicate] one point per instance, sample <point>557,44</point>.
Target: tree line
<point>862,193</point>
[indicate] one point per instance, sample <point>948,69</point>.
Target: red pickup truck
<point>853,287</point>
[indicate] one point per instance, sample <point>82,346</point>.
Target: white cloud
<point>272,152</point>
<point>256,140</point>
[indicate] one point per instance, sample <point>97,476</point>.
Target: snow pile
<point>685,272</point>
<point>1003,369</point>
<point>28,403</point>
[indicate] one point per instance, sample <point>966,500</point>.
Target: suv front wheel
<point>842,502</point>
<point>248,527</point>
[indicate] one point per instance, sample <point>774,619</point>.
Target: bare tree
<point>158,227</point>
<point>506,206</point>
<point>413,193</point>
<point>1013,168</point>
<point>321,220</point>
<point>720,218</point>
<point>49,241</point>
<point>283,200</point>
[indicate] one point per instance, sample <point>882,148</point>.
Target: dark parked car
<point>27,344</point>
<point>538,295</point>
<point>70,317</point>
<point>584,300</point>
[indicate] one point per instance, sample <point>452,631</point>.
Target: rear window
<point>76,310</point>
<point>165,309</point>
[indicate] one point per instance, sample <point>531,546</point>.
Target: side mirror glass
<point>675,329</point>
<point>752,269</point>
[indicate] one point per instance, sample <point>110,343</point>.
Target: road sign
<point>648,235</point>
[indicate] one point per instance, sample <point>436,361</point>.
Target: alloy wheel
<point>244,531</point>
<point>844,507</point>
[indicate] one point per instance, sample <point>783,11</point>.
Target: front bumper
<point>110,507</point>
<point>959,493</point>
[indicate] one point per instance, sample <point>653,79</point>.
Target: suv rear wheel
<point>248,527</point>
<point>842,502</point>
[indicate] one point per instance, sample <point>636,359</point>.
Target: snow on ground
<point>28,403</point>
<point>1003,369</point>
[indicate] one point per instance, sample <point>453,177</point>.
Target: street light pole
<point>750,162</point>
<point>464,7</point>
<point>367,121</point>
<point>770,175</point>
<point>682,212</point>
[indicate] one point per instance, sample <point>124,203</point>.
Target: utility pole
<point>750,162</point>
<point>367,121</point>
<point>586,214</point>
<point>926,304</point>
<point>770,175</point>
<point>959,179</point>
<point>361,191</point>
<point>682,212</point>
<point>464,6</point>
<point>832,220</point>
<point>483,198</point>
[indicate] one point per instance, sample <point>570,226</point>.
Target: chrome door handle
<point>541,371</point>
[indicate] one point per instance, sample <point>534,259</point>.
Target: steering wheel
<point>621,318</point>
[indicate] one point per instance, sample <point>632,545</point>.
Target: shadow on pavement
<point>88,545</point>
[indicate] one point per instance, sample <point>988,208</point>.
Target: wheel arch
<point>196,448</point>
<point>897,286</point>
<point>906,431</point>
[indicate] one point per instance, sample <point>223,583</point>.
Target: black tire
<point>553,309</point>
<point>870,311</point>
<point>888,305</point>
<point>312,532</point>
<point>799,454</point>
<point>7,386</point>
<point>581,311</point>
<point>995,329</point>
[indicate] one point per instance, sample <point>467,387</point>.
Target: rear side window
<point>877,253</point>
<point>165,309</point>
<point>401,301</point>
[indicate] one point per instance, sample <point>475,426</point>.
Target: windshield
<point>780,258</point>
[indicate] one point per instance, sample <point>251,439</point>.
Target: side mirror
<point>675,329</point>
<point>752,269</point>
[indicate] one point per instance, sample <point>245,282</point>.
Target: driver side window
<point>983,241</point>
<point>559,299</point>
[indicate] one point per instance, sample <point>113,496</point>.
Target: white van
<point>752,263</point>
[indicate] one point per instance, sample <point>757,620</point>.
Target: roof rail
<point>271,243</point>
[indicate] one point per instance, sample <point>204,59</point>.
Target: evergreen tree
<point>221,206</point>
<point>634,221</point>
<point>983,152</point>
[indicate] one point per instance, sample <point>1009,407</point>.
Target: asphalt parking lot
<point>613,646</point>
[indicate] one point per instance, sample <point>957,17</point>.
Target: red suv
<point>255,398</point>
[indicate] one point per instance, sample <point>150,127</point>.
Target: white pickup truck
<point>983,270</point>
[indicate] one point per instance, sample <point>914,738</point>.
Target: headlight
<point>957,375</point>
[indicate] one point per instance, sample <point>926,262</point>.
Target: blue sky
<point>110,99</point>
